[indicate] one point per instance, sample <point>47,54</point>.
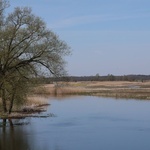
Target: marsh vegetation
<point>117,89</point>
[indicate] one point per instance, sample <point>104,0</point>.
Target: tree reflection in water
<point>12,138</point>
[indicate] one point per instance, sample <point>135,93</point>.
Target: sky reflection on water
<point>84,123</point>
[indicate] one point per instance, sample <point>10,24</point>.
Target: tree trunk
<point>4,101</point>
<point>11,103</point>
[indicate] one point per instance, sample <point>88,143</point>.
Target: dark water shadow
<point>15,135</point>
<point>12,138</point>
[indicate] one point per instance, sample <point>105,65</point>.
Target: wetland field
<point>116,89</point>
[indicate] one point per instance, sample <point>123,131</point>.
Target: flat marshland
<point>117,89</point>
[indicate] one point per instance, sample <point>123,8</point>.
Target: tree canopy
<point>27,49</point>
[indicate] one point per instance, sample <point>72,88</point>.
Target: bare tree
<point>27,48</point>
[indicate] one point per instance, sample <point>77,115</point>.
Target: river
<point>82,123</point>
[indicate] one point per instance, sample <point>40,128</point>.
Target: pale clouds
<point>88,19</point>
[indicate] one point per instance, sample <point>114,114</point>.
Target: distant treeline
<point>109,77</point>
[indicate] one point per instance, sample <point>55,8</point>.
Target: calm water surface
<point>83,123</point>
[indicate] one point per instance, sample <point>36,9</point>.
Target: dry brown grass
<point>34,104</point>
<point>118,89</point>
<point>37,100</point>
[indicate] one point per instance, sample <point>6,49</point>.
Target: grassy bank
<point>34,105</point>
<point>117,89</point>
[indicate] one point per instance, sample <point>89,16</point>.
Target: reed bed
<point>118,89</point>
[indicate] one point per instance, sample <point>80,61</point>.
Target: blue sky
<point>106,36</point>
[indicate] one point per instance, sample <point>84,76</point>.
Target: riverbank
<point>38,100</point>
<point>117,89</point>
<point>33,107</point>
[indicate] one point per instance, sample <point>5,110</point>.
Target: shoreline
<point>38,102</point>
<point>33,111</point>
